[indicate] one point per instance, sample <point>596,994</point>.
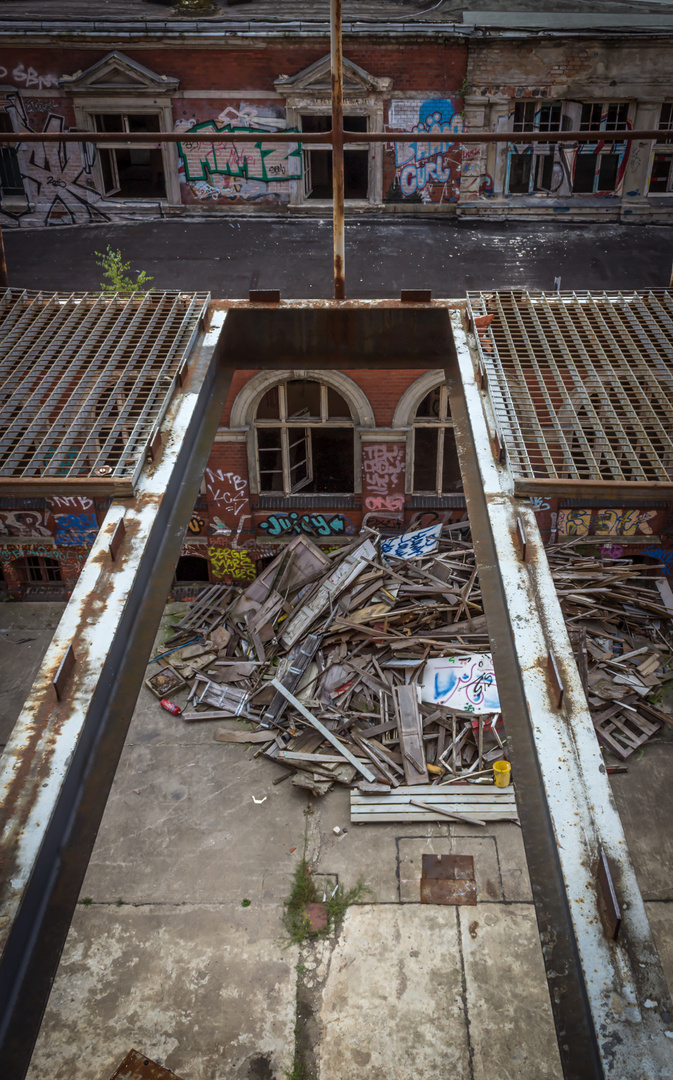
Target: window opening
<point>135,172</point>
<point>38,568</point>
<point>435,459</point>
<point>318,160</point>
<point>597,166</point>
<point>191,568</point>
<point>11,181</point>
<point>661,176</point>
<point>531,166</point>
<point>304,440</point>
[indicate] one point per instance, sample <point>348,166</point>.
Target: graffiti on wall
<point>605,522</point>
<point>229,494</point>
<point>313,524</point>
<point>231,562</point>
<point>28,77</point>
<point>428,172</point>
<point>57,178</point>
<point>664,555</point>
<point>24,523</point>
<point>75,530</point>
<point>227,170</point>
<point>383,468</point>
<point>9,552</point>
<point>72,503</point>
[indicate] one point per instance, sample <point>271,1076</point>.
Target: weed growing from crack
<point>304,892</point>
<point>296,1071</point>
<point>86,901</point>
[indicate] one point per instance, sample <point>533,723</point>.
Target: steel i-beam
<point>610,1000</point>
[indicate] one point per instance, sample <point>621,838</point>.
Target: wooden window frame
<point>289,424</point>
<point>440,425</point>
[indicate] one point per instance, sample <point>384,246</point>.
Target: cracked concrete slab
<point>203,989</point>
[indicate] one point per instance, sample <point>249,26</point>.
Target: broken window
<point>11,181</point>
<point>304,439</point>
<point>435,459</point>
<point>530,167</point>
<point>597,165</point>
<point>39,568</point>
<point>661,175</point>
<point>135,172</point>
<point>318,160</point>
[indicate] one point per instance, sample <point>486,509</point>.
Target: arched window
<point>304,440</point>
<point>435,459</point>
<point>191,568</point>
<point>38,568</point>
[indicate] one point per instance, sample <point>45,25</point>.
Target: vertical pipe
<point>336,52</point>
<point>3,264</point>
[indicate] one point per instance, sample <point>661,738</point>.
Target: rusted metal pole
<point>338,151</point>
<point>3,264</point>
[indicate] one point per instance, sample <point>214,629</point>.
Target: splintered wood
<point>372,667</point>
<point>618,615</point>
<point>329,658</point>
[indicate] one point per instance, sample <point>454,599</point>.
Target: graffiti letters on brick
<point>383,467</point>
<point>24,523</point>
<point>8,552</point>
<point>75,530</point>
<point>412,544</point>
<point>57,177</point>
<point>428,171</point>
<point>230,170</point>
<point>605,522</point>
<point>313,524</point>
<point>231,562</point>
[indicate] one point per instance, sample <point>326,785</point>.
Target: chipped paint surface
<point>619,977</point>
<point>38,755</point>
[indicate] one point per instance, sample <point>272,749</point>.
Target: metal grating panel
<point>86,378</point>
<point>581,383</point>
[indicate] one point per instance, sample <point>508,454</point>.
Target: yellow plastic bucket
<point>502,773</point>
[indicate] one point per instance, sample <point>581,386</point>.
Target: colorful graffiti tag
<point>428,170</point>
<point>248,171</point>
<point>75,530</point>
<point>617,522</point>
<point>313,524</point>
<point>24,523</point>
<point>231,562</point>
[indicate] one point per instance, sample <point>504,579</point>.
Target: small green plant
<point>86,901</point>
<point>304,892</point>
<point>120,902</point>
<point>296,1071</point>
<point>301,969</point>
<point>246,902</point>
<point>117,271</point>
<point>195,7</point>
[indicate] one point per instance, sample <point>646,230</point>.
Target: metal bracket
<point>117,539</point>
<point>609,905</point>
<point>65,670</point>
<point>555,679</point>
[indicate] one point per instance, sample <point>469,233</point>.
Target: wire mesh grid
<point>581,383</point>
<point>85,378</point>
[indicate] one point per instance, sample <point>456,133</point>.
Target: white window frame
<point>611,150</point>
<point>440,424</point>
<point>289,425</point>
<point>663,148</point>
<point>539,152</point>
<point>86,112</point>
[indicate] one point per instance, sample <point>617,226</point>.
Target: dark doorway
<point>192,568</point>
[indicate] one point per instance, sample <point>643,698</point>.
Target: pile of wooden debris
<point>371,667</point>
<point>618,613</point>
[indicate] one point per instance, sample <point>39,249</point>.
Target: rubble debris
<point>619,623</point>
<point>371,667</point>
<point>166,681</point>
<point>325,656</point>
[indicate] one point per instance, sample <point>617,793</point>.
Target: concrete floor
<point>25,633</point>
<point>228,255</point>
<point>163,957</point>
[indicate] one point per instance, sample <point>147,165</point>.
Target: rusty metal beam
<point>130,138</point>
<point>609,998</point>
<point>60,761</point>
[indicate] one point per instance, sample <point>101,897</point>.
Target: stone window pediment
<point>317,79</point>
<point>117,73</point>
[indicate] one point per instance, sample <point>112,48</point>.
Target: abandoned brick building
<point>408,66</point>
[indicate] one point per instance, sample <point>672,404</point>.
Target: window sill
<point>300,502</point>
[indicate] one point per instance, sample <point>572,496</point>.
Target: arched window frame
<point>244,414</point>
<point>405,419</point>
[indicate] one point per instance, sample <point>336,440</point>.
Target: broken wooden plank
<point>411,735</point>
